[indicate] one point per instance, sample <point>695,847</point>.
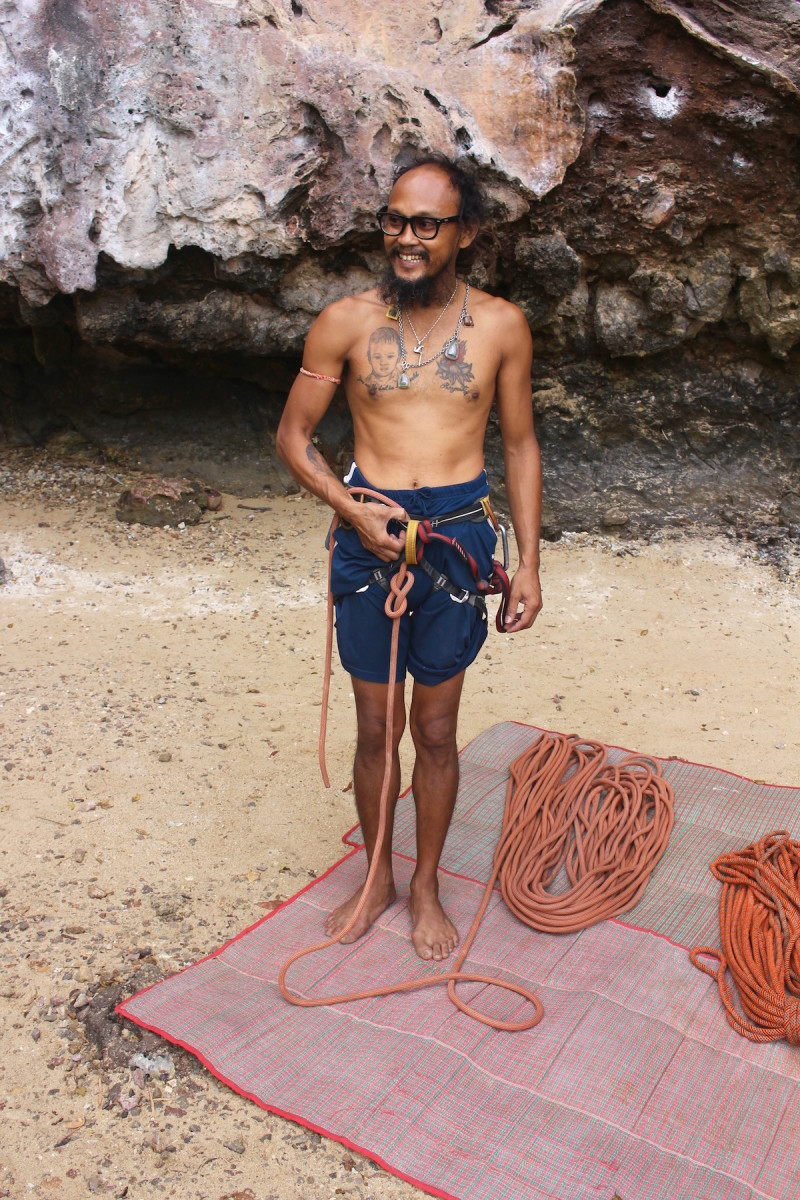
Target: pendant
<point>418,349</point>
<point>468,321</point>
<point>451,352</point>
<point>392,312</point>
<point>403,381</point>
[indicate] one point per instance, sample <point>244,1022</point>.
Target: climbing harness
<point>421,532</point>
<point>759,925</point>
<point>567,809</point>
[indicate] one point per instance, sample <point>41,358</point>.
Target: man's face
<point>425,191</point>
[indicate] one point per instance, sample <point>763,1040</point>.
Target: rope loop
<point>568,811</point>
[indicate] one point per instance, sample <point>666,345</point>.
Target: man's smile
<point>410,256</point>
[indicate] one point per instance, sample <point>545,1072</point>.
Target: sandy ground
<point>159,696</point>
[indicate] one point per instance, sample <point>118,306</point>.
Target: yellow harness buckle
<point>411,542</point>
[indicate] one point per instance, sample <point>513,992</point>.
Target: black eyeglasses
<point>425,228</point>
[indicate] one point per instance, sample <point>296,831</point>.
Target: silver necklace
<point>418,349</point>
<point>449,349</point>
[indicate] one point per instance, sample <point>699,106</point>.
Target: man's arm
<point>523,467</point>
<point>325,353</point>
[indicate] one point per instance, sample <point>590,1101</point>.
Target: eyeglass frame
<point>384,212</point>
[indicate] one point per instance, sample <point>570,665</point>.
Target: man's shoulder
<point>353,308</point>
<point>340,323</point>
<point>502,318</point>
<point>502,312</point>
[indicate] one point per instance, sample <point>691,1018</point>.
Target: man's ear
<point>469,231</point>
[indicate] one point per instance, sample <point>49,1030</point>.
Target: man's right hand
<point>371,522</point>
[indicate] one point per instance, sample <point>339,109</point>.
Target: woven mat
<point>632,1086</point>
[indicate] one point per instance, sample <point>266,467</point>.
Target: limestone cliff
<point>185,184</point>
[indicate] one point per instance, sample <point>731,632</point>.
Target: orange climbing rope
<point>759,923</point>
<point>606,825</point>
<point>566,806</point>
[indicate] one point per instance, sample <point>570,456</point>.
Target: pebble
<point>159,1065</point>
<point>165,756</point>
<point>95,892</point>
<point>236,1145</point>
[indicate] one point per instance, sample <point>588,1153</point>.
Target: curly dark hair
<point>461,178</point>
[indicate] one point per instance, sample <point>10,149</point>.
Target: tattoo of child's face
<point>383,352</point>
<point>455,374</point>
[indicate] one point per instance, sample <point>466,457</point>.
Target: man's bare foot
<point>434,935</point>
<point>382,894</point>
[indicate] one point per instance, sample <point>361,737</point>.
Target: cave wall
<point>184,186</point>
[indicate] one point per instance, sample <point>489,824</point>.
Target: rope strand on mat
<point>607,825</point>
<point>759,923</point>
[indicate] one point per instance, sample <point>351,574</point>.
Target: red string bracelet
<point>323,378</point>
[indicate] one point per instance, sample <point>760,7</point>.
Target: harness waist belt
<point>479,510</point>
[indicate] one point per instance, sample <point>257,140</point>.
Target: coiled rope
<point>759,924</point>
<point>607,825</point>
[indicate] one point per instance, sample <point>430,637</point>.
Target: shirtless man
<point>419,419</point>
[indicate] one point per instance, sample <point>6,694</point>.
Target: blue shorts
<point>439,637</point>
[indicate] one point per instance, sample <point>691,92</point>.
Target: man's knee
<point>371,736</point>
<point>434,733</point>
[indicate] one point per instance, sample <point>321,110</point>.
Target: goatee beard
<point>405,293</point>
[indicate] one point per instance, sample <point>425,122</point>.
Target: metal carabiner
<point>501,529</point>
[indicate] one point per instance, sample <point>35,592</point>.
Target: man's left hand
<point>525,600</point>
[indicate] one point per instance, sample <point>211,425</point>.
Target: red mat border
<point>356,848</point>
<point>121,1010</point>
